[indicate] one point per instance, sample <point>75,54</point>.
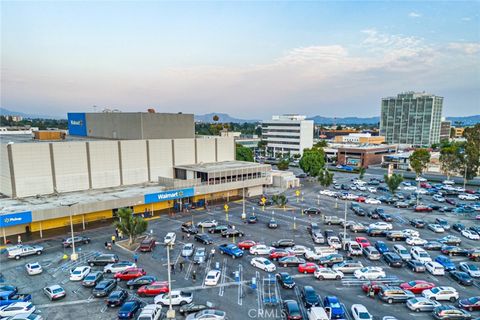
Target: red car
<point>361,199</point>
<point>147,245</point>
<point>153,289</point>
<point>246,244</point>
<point>129,274</point>
<point>372,284</point>
<point>363,241</point>
<point>308,267</point>
<point>279,253</point>
<point>470,191</point>
<point>422,208</point>
<point>417,286</point>
<point>426,185</point>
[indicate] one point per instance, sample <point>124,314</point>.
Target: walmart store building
<point>43,184</point>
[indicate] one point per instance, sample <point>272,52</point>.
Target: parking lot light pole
<point>345,226</point>
<point>74,255</point>
<point>318,199</point>
<point>170,312</point>
<point>294,223</point>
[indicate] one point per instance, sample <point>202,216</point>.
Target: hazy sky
<point>248,59</point>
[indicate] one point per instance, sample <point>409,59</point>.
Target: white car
<point>170,238</point>
<point>421,179</point>
<point>469,234</point>
<point>351,196</point>
<point>33,268</point>
<point>381,226</point>
<point>416,241</point>
<point>311,255</point>
<point>421,191</point>
<point>79,273</point>
<point>435,268</point>
<point>263,263</point>
<point>359,312</point>
<point>411,233</point>
<point>208,224</point>
<point>298,250</point>
<point>260,249</point>
<point>420,254</point>
<point>470,268</point>
<point>327,192</point>
<point>449,182</point>
<point>328,274</point>
<point>212,277</point>
<point>467,197</point>
<point>363,188</point>
<point>372,201</point>
<point>436,228</point>
<point>441,294</point>
<point>17,308</point>
<point>372,189</point>
<point>119,266</point>
<point>187,250</point>
<point>409,188</point>
<point>178,298</point>
<point>369,273</point>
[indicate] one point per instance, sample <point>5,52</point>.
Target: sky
<point>250,59</point>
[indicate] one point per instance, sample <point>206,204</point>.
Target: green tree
<point>279,199</point>
<point>243,153</point>
<point>451,160</point>
<point>419,160</point>
<point>312,161</point>
<point>325,178</point>
<point>393,182</point>
<point>361,172</point>
<point>130,225</point>
<point>283,164</point>
<point>320,144</point>
<point>215,118</point>
<point>472,151</point>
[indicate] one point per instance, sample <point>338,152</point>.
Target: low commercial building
<point>360,138</point>
<point>363,156</point>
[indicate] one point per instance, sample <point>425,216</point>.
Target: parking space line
<point>240,285</point>
<point>221,291</point>
<point>189,269</point>
<point>67,303</point>
<point>300,302</point>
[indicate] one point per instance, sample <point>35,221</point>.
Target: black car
<point>103,259</point>
<point>313,227</point>
<point>283,243</point>
<point>104,288</point>
<point>188,227</point>
<point>330,259</point>
<point>219,229</point>
<point>129,309</point>
<point>393,259</point>
<point>433,245</point>
<point>359,211</point>
<point>461,277</point>
<point>382,188</point>
<point>141,281</point>
<point>329,233</point>
<point>285,280</point>
<point>67,243</point>
<point>373,214</point>
<point>311,211</point>
<point>454,251</point>
<point>344,187</point>
<point>232,233</point>
<point>434,206</point>
<point>475,229</point>
<point>385,217</point>
<point>415,266</point>
<point>191,308</point>
<point>310,297</point>
<point>417,223</point>
<point>458,227</point>
<point>291,309</point>
<point>376,232</point>
<point>272,224</point>
<point>117,298</point>
<point>450,201</point>
<point>92,278</point>
<point>203,238</point>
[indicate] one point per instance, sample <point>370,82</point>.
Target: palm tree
<point>130,225</point>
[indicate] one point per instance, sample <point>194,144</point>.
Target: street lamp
<point>345,226</point>
<point>74,255</point>
<point>170,312</point>
<point>318,199</point>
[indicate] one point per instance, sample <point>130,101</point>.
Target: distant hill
<point>223,117</point>
<point>466,121</point>
<point>5,112</point>
<point>346,120</point>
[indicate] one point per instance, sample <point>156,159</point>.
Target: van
<point>150,312</point>
<point>317,313</point>
<point>353,248</point>
<point>324,251</point>
<point>435,268</point>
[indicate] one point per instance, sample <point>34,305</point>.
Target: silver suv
<point>402,252</point>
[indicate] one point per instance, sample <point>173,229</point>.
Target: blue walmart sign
<point>168,195</point>
<point>13,219</point>
<point>77,124</point>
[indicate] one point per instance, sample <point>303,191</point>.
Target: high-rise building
<point>411,118</point>
<point>445,127</point>
<point>288,133</point>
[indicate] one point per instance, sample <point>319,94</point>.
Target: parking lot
<point>234,293</point>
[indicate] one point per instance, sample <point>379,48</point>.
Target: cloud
<point>466,19</point>
<point>469,48</point>
<point>414,14</point>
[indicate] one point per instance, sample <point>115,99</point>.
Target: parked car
<point>290,261</point>
<point>119,266</point>
<point>212,278</point>
<point>187,250</point>
<point>417,286</point>
<point>285,280</point>
<point>415,265</point>
<point>129,274</point>
<point>310,297</point>
<point>369,273</point>
<point>177,298</point>
<point>336,310</point>
<point>445,262</point>
<point>283,243</point>
<point>435,268</point>
<point>291,310</point>
<point>117,298</point>
<point>417,223</point>
<point>129,309</point>
<point>141,281</point>
<point>371,253</point>
<point>78,273</point>
<point>104,287</point>
<point>78,240</point>
<point>153,289</point>
<point>396,235</point>
<point>461,277</point>
<point>393,259</point>
<point>454,251</point>
<point>472,269</point>
<point>92,279</point>
<point>328,274</point>
<point>347,266</point>
<point>54,292</point>
<point>391,294</point>
<point>470,304</point>
<point>263,263</point>
<point>16,308</point>
<point>33,268</point>
<point>147,245</point>
<point>360,312</point>
<point>212,314</point>
<point>421,304</point>
<point>450,312</point>
<point>103,260</point>
<point>203,238</point>
<point>441,294</point>
<point>402,252</point>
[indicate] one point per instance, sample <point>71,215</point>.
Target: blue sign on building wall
<point>77,124</point>
<point>168,195</point>
<point>13,219</point>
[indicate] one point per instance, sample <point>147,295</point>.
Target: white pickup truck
<point>178,298</point>
<point>23,250</point>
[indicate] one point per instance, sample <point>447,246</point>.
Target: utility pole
<point>345,226</point>
<point>170,312</point>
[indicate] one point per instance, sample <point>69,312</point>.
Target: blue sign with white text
<point>168,195</point>
<point>77,124</point>
<point>13,219</point>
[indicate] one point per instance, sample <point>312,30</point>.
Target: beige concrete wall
<point>134,161</point>
<point>184,151</point>
<point>104,162</point>
<point>205,150</point>
<point>71,166</point>
<point>32,169</point>
<point>161,158</point>
<point>225,149</point>
<point>5,181</point>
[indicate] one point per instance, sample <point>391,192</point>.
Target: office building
<point>411,118</point>
<point>445,130</point>
<point>287,134</point>
<point>363,156</point>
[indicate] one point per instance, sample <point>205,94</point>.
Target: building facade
<point>287,134</point>
<point>363,156</point>
<point>360,138</point>
<point>445,130</point>
<point>411,118</point>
